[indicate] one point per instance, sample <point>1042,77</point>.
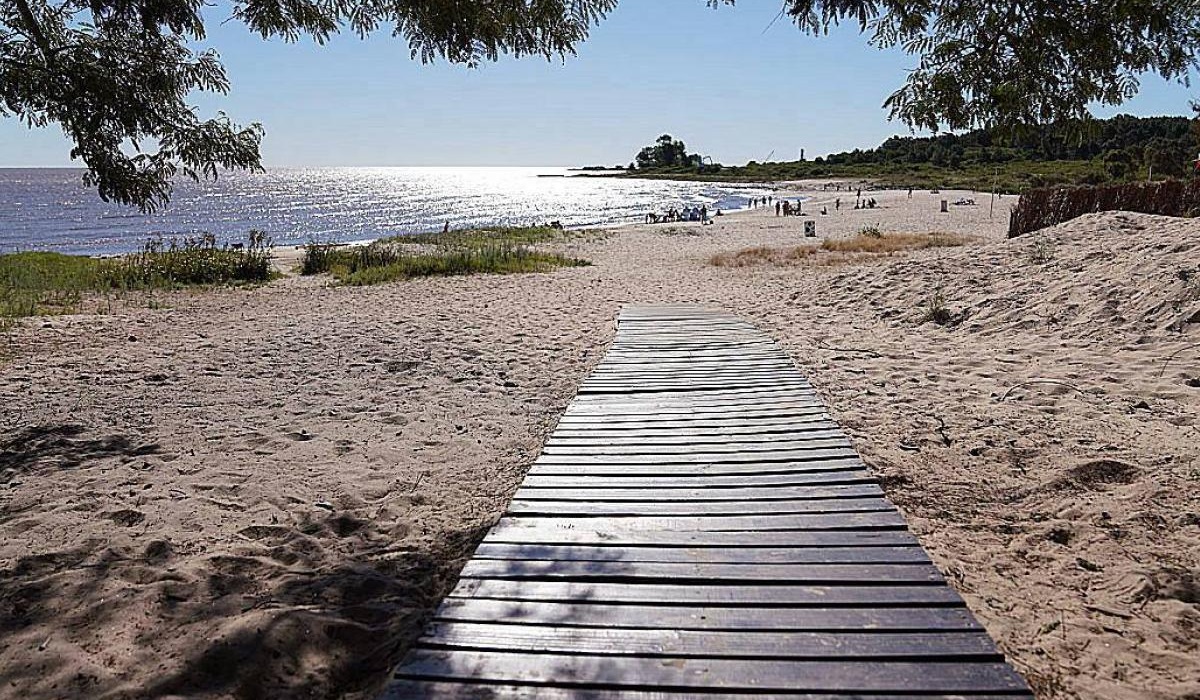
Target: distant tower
<point>802,155</point>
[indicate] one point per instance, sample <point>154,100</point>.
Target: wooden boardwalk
<point>697,526</point>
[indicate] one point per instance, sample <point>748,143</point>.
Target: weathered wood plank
<point>700,573</point>
<point>833,462</point>
<point>725,407</point>
<point>772,420</point>
<point>764,418</point>
<point>710,644</point>
<point>535,531</point>
<point>715,493</point>
<point>761,675</point>
<point>821,439</point>
<point>690,436</point>
<point>743,395</point>
<point>722,523</point>
<point>405,689</point>
<point>705,458</point>
<point>742,594</point>
<point>714,555</point>
<point>582,483</point>
<point>591,509</point>
<point>588,614</point>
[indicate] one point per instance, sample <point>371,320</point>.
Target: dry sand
<point>260,493</point>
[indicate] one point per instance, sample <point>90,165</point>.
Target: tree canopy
<point>988,63</point>
<point>666,152</point>
<point>116,75</point>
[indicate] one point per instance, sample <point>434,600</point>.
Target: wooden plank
<point>654,370</point>
<point>911,554</point>
<point>720,409</point>
<point>825,439</point>
<point>820,430</point>
<point>587,614</point>
<point>568,508</point>
<point>699,573</point>
<point>769,421</point>
<point>723,523</point>
<point>759,418</point>
<point>534,531</point>
<point>775,389</point>
<point>855,676</point>
<point>585,482</point>
<point>710,644</point>
<point>690,436</point>
<point>832,461</point>
<point>741,594</point>
<point>715,493</point>
<point>809,430</point>
<point>582,438</point>
<point>691,386</point>
<point>706,458</point>
<point>406,689</point>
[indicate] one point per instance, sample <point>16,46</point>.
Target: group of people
<point>784,207</point>
<point>699,213</point>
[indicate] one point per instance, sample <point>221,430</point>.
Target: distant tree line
<point>1125,145</point>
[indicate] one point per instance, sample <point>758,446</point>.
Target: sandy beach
<point>261,493</point>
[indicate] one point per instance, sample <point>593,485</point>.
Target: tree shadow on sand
<point>64,447</point>
<point>320,610</point>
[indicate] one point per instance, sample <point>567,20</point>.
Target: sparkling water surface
<point>50,209</point>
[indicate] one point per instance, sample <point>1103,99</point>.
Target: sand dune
<point>260,493</point>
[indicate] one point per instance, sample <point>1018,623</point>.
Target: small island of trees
<point>667,152</point>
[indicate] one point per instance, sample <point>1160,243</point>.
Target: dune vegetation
<point>33,283</point>
<point>870,242</point>
<point>464,252</point>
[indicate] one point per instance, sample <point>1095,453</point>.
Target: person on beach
<point>446,228</point>
<point>910,193</point>
<point>787,208</point>
<point>837,204</point>
<point>703,213</point>
<point>776,208</point>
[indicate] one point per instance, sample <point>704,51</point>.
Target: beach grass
<point>868,243</point>
<point>465,252</point>
<point>37,283</point>
<point>491,236</point>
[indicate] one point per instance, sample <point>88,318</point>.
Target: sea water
<point>51,209</point>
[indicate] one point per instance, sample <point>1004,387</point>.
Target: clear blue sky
<point>717,78</point>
